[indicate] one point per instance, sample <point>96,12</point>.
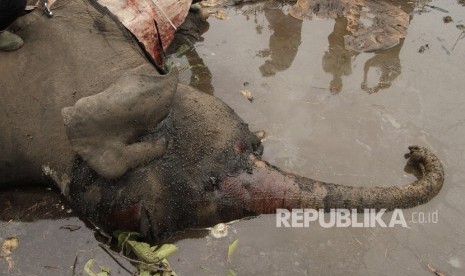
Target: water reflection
<point>201,77</point>
<point>388,62</point>
<point>337,60</point>
<point>284,42</point>
<point>189,33</point>
<point>285,39</point>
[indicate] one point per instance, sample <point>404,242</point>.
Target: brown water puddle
<point>343,117</point>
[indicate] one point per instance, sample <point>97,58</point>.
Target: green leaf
<point>144,272</point>
<point>167,265</point>
<point>123,237</point>
<point>231,273</point>
<point>143,252</point>
<point>182,50</point>
<point>166,250</point>
<point>88,269</point>
<point>232,247</point>
<point>146,254</point>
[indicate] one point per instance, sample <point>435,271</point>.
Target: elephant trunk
<point>267,188</point>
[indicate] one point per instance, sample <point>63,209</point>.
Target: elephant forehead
<point>207,121</point>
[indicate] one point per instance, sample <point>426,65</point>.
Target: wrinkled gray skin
<point>137,151</point>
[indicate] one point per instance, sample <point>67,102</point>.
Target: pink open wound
<point>139,16</point>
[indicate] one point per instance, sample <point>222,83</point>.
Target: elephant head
<point>207,169</point>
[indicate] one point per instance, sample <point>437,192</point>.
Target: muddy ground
<point>329,114</point>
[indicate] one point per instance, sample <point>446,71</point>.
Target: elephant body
<point>135,150</point>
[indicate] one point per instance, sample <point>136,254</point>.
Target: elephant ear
<point>105,129</point>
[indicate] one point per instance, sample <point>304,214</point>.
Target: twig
<point>434,271</point>
<point>123,243</point>
<point>107,250</point>
<point>101,232</point>
<point>461,35</point>
<point>436,8</point>
<point>74,265</point>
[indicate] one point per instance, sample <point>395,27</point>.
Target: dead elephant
<point>138,151</point>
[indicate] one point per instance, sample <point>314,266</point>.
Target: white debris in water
<point>455,262</point>
<point>219,231</point>
<point>364,145</point>
<point>247,94</point>
<point>388,118</point>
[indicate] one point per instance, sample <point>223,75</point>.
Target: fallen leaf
<point>210,3</point>
<point>123,237</point>
<point>246,93</point>
<point>8,246</point>
<point>145,253</point>
<point>221,14</point>
<point>184,48</point>
<point>166,250</point>
<point>168,267</point>
<point>88,269</point>
<point>232,247</point>
<point>300,9</point>
<point>144,272</point>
